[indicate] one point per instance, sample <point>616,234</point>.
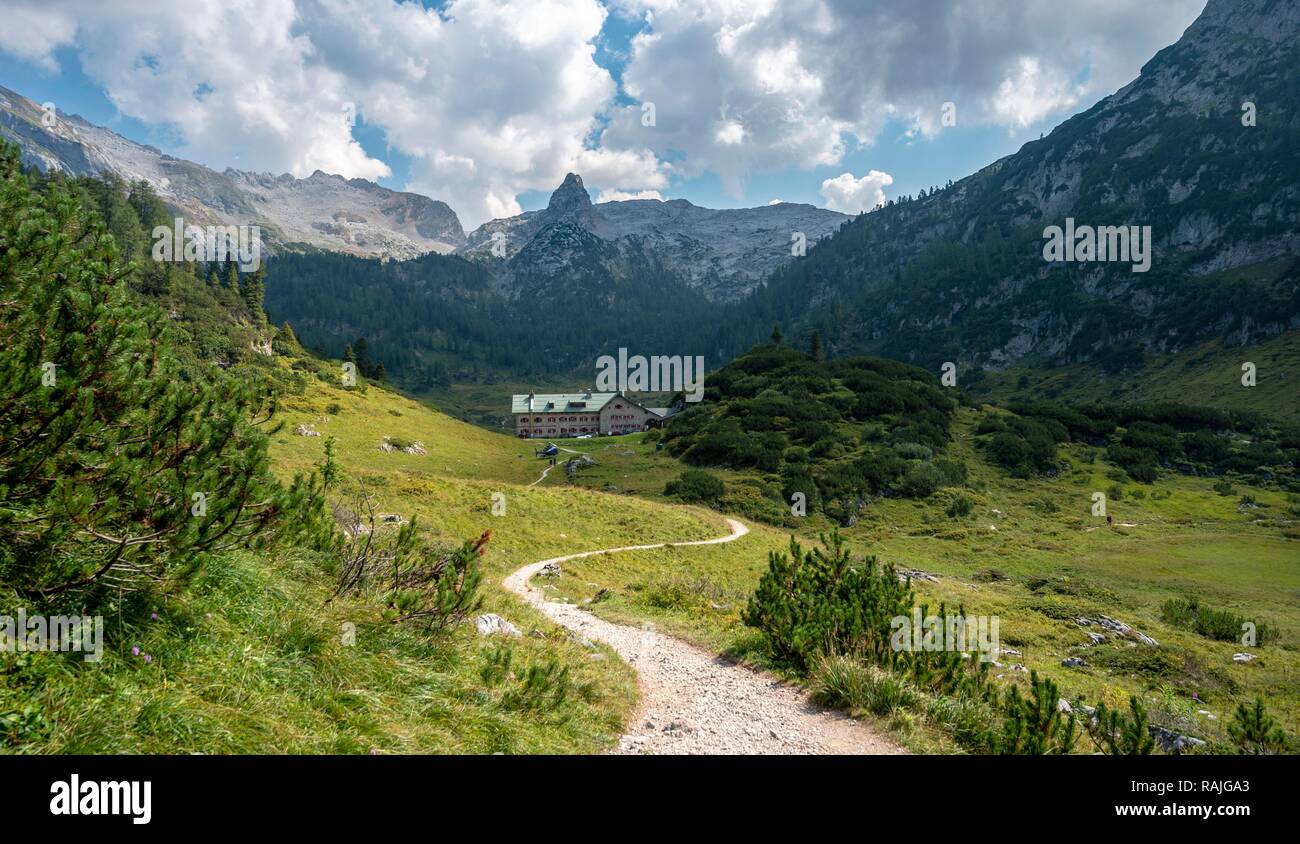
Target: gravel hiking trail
<point>693,702</point>
<point>545,472</point>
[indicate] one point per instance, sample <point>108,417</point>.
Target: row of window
<point>560,419</point>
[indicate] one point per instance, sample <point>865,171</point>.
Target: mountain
<point>959,274</point>
<point>576,280</point>
<point>328,212</point>
<point>723,253</point>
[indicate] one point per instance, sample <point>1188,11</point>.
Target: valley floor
<point>250,660</point>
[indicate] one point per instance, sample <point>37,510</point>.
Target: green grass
<point>268,672</point>
<point>250,660</point>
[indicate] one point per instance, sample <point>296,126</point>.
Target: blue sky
<point>488,104</point>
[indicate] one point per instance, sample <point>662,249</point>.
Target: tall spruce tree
<point>254,292</point>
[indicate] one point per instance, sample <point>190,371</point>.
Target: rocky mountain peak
<point>570,196</point>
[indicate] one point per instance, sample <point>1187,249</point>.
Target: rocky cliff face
<point>1204,147</point>
<point>723,254</point>
<point>328,212</point>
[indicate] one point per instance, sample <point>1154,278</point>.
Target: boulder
<point>1172,742</point>
<point>490,624</point>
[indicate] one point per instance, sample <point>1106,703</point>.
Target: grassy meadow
<point>1030,552</point>
<point>251,658</point>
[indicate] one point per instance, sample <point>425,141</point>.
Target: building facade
<point>574,414</point>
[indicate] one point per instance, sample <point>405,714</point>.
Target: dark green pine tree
<point>254,293</point>
<point>777,337</point>
<point>1254,731</point>
<point>286,341</point>
<point>815,347</point>
<point>119,467</point>
<point>232,277</point>
<point>364,364</point>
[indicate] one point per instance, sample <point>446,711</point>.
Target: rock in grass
<point>490,623</point>
<point>1172,742</point>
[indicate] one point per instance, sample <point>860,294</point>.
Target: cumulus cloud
<point>489,98</point>
<point>849,195</point>
<point>745,85</point>
<point>493,98</point>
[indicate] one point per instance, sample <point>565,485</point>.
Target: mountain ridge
<point>723,253</point>
<point>958,274</point>
<point>324,211</point>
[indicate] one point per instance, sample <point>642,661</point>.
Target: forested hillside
<point>438,319</point>
<point>957,273</point>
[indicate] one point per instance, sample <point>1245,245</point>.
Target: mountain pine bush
<point>119,467</point>
<point>821,601</point>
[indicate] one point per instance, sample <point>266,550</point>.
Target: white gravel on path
<point>695,702</point>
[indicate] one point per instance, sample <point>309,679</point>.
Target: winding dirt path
<point>695,702</point>
<point>545,472</point>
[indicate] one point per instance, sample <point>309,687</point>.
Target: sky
<point>487,104</point>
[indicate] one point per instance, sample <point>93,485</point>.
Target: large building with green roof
<point>574,414</point>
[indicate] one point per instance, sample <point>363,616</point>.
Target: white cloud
<point>492,98</point>
<point>809,80</point>
<point>730,133</point>
<point>33,33</point>
<point>236,80</point>
<point>621,195</point>
<point>1032,95</point>
<point>849,195</point>
<point>489,98</point>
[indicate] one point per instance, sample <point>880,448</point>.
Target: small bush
<point>851,684</point>
<point>960,507</point>
<point>813,603</point>
<point>1221,625</point>
<point>696,486</point>
<point>921,481</point>
<point>1253,730</point>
